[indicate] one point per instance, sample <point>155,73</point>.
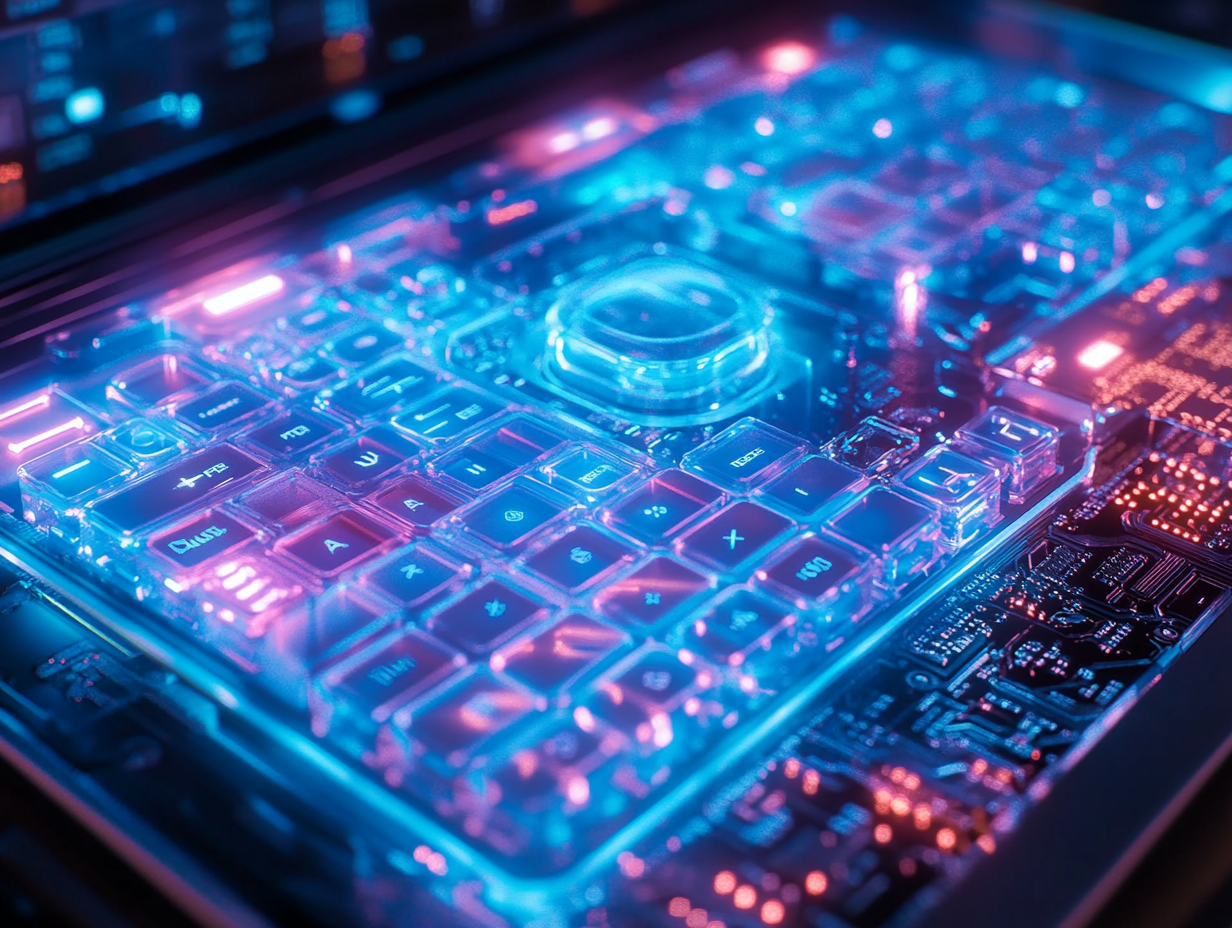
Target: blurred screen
<point>98,95</point>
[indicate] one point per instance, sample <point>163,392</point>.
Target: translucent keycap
<point>362,460</point>
<point>221,407</point>
<point>389,385</point>
<point>209,535</point>
<point>414,574</point>
<point>291,500</point>
<point>485,617</point>
<point>325,628</point>
<point>640,698</point>
<point>808,487</point>
<point>444,415</point>
<point>588,471</point>
<point>579,558</point>
<point>744,634</point>
<point>158,380</point>
<point>826,578</point>
<point>875,446</point>
<point>362,345</point>
<point>454,724</point>
<point>341,540</point>
<point>414,501</point>
<point>744,454</point>
<point>559,654</point>
<point>291,434</point>
<point>662,507</point>
<point>733,535</point>
<point>143,443</point>
<point>512,514</point>
<point>965,491</point>
<point>1023,450</point>
<point>651,592</point>
<point>903,534</point>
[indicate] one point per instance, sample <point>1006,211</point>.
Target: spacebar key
<point>179,486</point>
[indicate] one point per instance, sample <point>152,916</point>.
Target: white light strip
<point>232,300</point>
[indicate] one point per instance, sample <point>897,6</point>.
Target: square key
<point>200,540</point>
<point>456,723</point>
<point>579,558</point>
<point>809,486</point>
<point>291,434</point>
<point>967,492</point>
<point>521,439</point>
<point>558,654</point>
<point>414,575</point>
<point>656,683</point>
<point>588,470</point>
<point>325,628</point>
<point>473,468</point>
<point>662,506</point>
<point>151,383</point>
<point>733,535</point>
<point>414,501</point>
<point>484,617</point>
<point>337,543</point>
<point>1023,450</point>
<point>536,780</point>
<point>875,446</point>
<point>391,384</point>
<point>291,500</point>
<point>902,533</point>
<point>306,372</point>
<point>221,406</point>
<point>651,592</point>
<point>511,515</point>
<point>737,623</point>
<point>362,460</point>
<point>444,415</point>
<point>72,470</point>
<point>824,577</point>
<point>361,346</point>
<point>744,454</point>
<point>390,673</point>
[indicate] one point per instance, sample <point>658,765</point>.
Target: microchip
<point>945,641</point>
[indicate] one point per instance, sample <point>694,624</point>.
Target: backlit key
<point>458,722</point>
<point>151,383</point>
<point>807,487</point>
<point>221,406</point>
<point>511,515</point>
<point>579,558</point>
<point>340,541</point>
<point>444,415</point>
<point>413,501</point>
<point>484,617</point>
<point>392,672</point>
<point>200,540</point>
<point>362,460</point>
<point>651,592</point>
<point>662,506</point>
<point>559,654</point>
<point>291,434</point>
<point>743,454</point>
<point>413,575</point>
<point>390,384</point>
<point>734,535</point>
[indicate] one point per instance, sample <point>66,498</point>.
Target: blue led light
<point>84,105</point>
<point>190,110</point>
<point>355,106</point>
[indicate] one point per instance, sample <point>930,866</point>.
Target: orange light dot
<point>745,897</point>
<point>812,780</point>
<point>986,843</point>
<point>815,883</point>
<point>772,912</point>
<point>883,833</point>
<point>946,839</point>
<point>900,805</point>
<point>724,882</point>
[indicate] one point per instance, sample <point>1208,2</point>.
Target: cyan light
<point>355,105</point>
<point>190,110</point>
<point>84,105</point>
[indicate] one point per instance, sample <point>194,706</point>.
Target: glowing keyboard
<point>530,490</point>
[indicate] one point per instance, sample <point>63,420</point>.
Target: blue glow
<point>85,105</point>
<point>1069,95</point>
<point>355,106</point>
<point>190,110</point>
<point>405,48</point>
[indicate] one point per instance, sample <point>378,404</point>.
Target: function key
<point>203,538</point>
<point>444,415</point>
<point>391,673</point>
<point>557,655</point>
<point>186,483</point>
<point>151,383</point>
<point>662,506</point>
<point>734,535</point>
<point>220,406</point>
<point>413,575</point>
<point>651,591</point>
<point>511,515</point>
<point>364,459</point>
<point>484,617</point>
<point>807,487</point>
<point>589,470</point>
<point>291,434</point>
<point>344,538</point>
<point>744,454</point>
<point>72,470</point>
<point>391,384</point>
<point>579,558</point>
<point>473,468</point>
<point>414,501</point>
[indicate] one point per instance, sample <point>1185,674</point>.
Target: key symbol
<point>581,556</point>
<point>410,571</point>
<point>731,538</point>
<point>653,599</point>
<point>333,546</point>
<point>412,504</point>
<point>368,459</point>
<point>514,515</point>
<point>495,608</point>
<point>655,512</point>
